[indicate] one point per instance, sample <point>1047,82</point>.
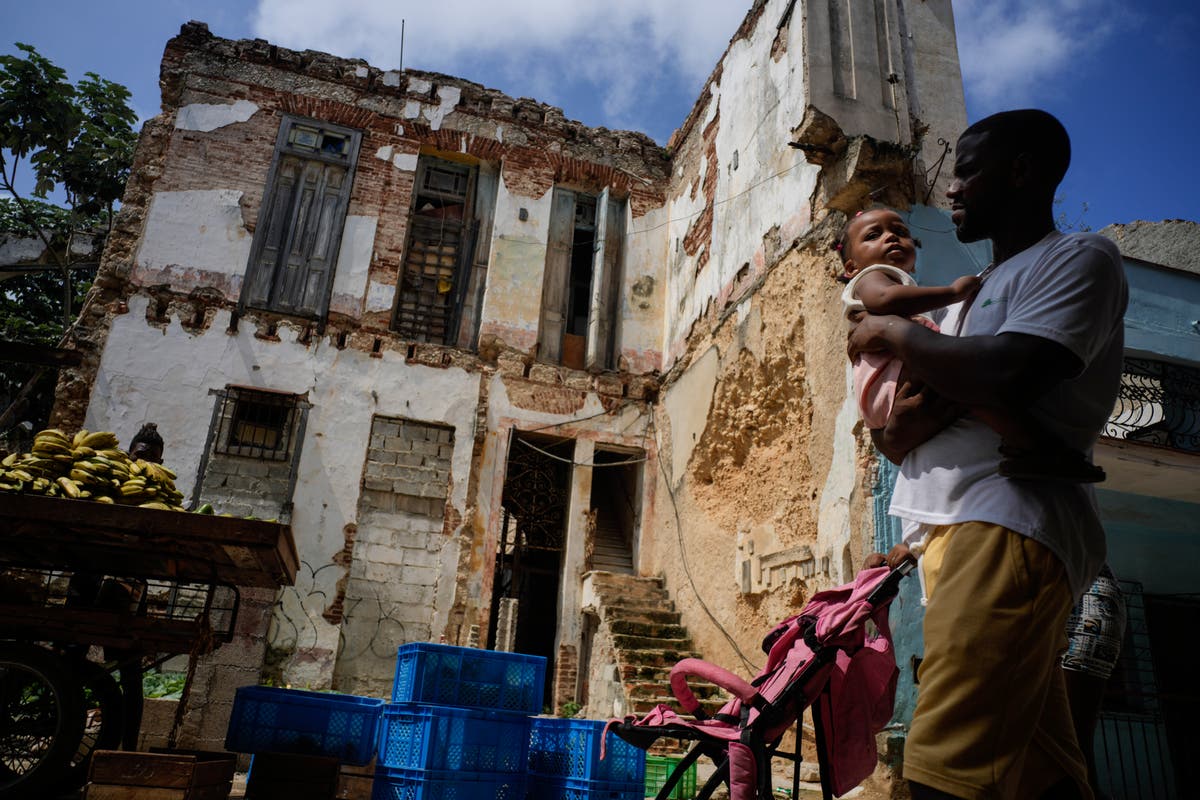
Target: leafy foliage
<point>76,138</point>
<point>163,684</point>
<point>80,138</point>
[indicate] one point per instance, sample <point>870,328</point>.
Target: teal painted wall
<point>1153,541</point>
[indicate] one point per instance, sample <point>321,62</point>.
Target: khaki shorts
<point>992,719</point>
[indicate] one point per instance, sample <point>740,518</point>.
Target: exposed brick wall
<point>397,563</point>
<point>566,675</point>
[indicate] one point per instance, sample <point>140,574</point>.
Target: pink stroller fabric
<point>822,656</point>
<point>876,378</point>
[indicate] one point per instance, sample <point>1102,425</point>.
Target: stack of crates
<point>300,738</point>
<point>565,763</point>
<point>458,724</point>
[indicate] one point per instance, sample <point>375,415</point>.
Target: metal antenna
<point>402,45</point>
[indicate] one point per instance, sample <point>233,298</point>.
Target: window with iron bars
<point>437,262</point>
<point>256,424</point>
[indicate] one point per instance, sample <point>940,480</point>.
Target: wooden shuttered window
<point>580,289</point>
<point>445,261</point>
<point>295,248</point>
<point>558,269</point>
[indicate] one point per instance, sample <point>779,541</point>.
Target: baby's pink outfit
<point>876,375</point>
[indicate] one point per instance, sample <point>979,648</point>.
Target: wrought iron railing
<point>1159,404</point>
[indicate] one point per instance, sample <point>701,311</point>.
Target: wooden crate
<point>177,775</point>
<point>355,783</point>
<point>295,777</point>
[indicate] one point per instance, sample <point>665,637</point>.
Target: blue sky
<point>1123,76</point>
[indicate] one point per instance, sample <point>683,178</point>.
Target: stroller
<point>820,657</point>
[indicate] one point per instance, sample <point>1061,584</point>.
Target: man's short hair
<point>1034,132</point>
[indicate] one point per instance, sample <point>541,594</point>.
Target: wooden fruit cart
<point>140,583</point>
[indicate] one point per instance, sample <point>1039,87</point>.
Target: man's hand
<point>918,414</point>
<point>872,333</point>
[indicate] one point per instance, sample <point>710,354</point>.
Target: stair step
<point>618,567</point>
<point>644,705</point>
<point>705,692</point>
<point>627,642</point>
<point>655,657</point>
<point>648,630</point>
<point>659,615</point>
<point>638,604</point>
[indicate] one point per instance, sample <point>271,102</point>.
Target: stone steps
<point>648,639</point>
<point>625,641</point>
<point>665,616</point>
<point>648,630</point>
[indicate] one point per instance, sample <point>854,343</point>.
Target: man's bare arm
<point>1008,371</point>
<point>881,293</point>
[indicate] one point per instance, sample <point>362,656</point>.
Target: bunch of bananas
<point>89,466</point>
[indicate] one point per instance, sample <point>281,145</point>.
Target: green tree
<point>76,140</point>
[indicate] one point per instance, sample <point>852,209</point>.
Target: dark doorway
<point>533,532</point>
<point>616,503</point>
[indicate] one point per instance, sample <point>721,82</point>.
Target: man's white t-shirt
<point>1070,289</point>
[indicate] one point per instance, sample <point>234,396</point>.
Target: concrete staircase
<point>611,551</point>
<point>647,639</point>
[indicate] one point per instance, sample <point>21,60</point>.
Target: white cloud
<point>1009,49</point>
<point>625,51</point>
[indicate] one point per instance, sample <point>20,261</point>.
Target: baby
<point>878,255</point>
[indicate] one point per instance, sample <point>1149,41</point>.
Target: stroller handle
<point>886,591</point>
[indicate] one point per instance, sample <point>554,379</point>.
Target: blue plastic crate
<point>570,748</point>
<point>541,788</point>
<point>427,737</point>
<point>268,720</point>
<point>415,784</point>
<point>445,675</point>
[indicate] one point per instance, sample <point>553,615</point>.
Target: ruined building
<point>508,377</point>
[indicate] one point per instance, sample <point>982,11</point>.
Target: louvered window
<point>300,221</point>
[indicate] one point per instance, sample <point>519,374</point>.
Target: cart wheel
<point>103,719</point>
<point>41,719</point>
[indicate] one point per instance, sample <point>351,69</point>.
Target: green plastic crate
<point>658,768</point>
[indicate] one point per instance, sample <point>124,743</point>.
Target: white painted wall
<point>210,116</point>
<point>164,377</point>
<point>191,231</point>
<point>513,299</point>
<point>759,100</point>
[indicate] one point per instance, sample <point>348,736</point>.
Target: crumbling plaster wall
<point>769,483</point>
<point>165,376</point>
<point>767,493</point>
<point>738,193</point>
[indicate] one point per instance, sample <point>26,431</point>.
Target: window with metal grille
<point>446,255</point>
<point>1159,404</point>
<point>295,248</point>
<point>256,423</point>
